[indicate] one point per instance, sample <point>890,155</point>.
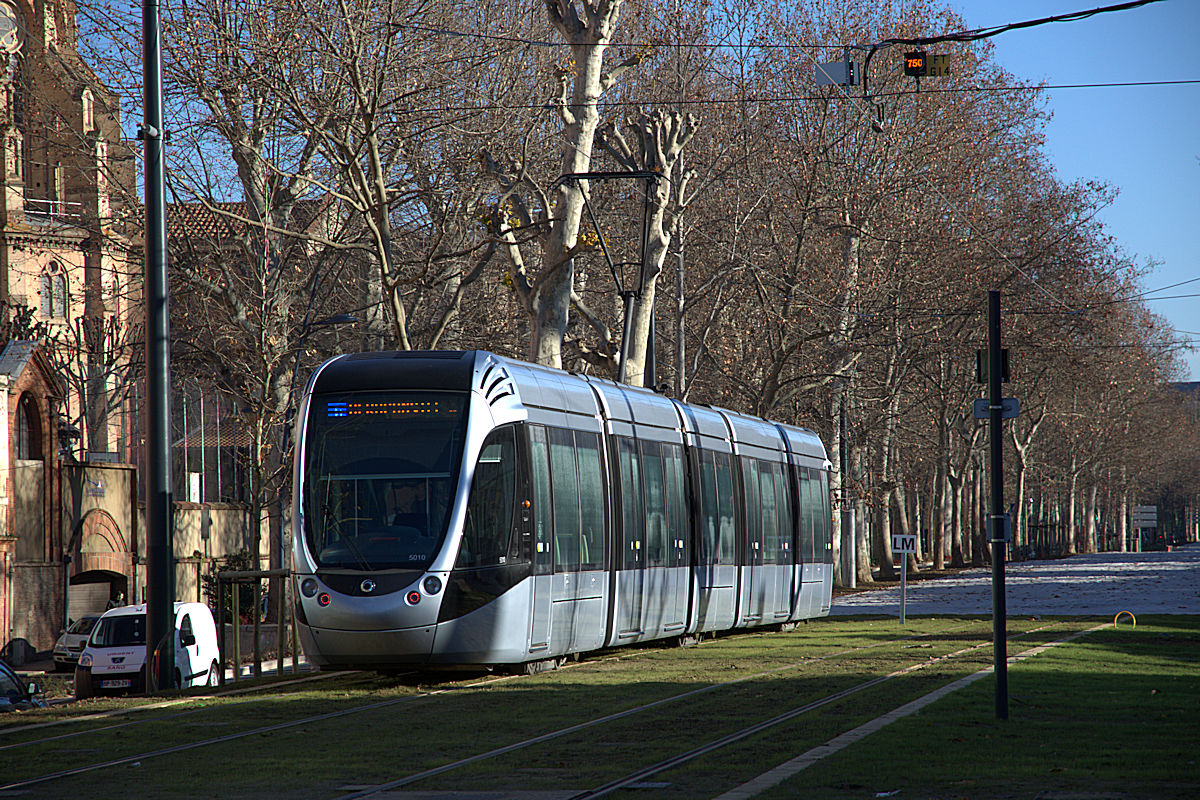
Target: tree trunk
<point>1091,542</point>
<point>980,554</point>
<point>862,543</point>
<point>883,536</point>
<point>837,483</point>
<point>955,482</point>
<point>1123,517</point>
<point>901,498</point>
<point>937,518</point>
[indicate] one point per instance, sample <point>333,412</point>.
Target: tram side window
<point>542,528</point>
<point>768,491</point>
<point>726,553</point>
<point>565,480</point>
<point>783,547</point>
<point>826,522</point>
<point>716,498</point>
<point>489,532</point>
<point>807,532</point>
<point>717,494</point>
<point>753,511</point>
<point>709,523</point>
<point>676,501</point>
<point>591,500</point>
<point>656,504</point>
<point>630,466</point>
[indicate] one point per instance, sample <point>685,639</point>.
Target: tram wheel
<point>544,665</point>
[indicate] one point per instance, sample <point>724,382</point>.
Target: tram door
<point>631,569</point>
<point>543,538</point>
<point>679,539</point>
<point>777,535</point>
<point>809,538</point>
<point>754,573</point>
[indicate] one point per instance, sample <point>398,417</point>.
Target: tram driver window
<point>489,523</point>
<point>409,500</point>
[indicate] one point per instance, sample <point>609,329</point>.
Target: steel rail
<point>450,767</point>
<point>119,712</point>
<point>372,706</point>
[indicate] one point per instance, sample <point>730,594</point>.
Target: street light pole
<point>160,561</point>
<point>995,428</point>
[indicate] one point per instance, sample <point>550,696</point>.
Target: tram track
<point>641,774</point>
<point>480,757</point>
<point>137,710</point>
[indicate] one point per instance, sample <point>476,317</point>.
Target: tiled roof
<point>199,221</point>
<point>15,356</point>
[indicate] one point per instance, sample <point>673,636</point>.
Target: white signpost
<point>903,544</point>
<point>1144,517</point>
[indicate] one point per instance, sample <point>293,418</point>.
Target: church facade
<point>70,274</point>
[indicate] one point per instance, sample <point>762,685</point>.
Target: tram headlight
<point>308,587</point>
<point>432,584</point>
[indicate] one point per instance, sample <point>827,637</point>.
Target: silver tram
<point>463,508</point>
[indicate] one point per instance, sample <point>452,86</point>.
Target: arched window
<point>29,429</point>
<point>87,110</point>
<point>11,35</point>
<point>54,291</point>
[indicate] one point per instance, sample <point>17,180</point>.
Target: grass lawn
<point>1114,714</point>
<point>1115,711</point>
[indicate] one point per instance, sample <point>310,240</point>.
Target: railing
<point>232,579</point>
<point>49,210</point>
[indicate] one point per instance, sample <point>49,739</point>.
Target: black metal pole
<point>160,562</point>
<point>627,298</point>
<point>995,408</point>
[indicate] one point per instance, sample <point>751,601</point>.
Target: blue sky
<point>1144,141</point>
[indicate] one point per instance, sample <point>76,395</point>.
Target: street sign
<point>902,545</point>
<point>840,73</point>
<point>981,366</point>
<point>937,66</point>
<point>914,63</point>
<point>1145,516</point>
<point>1010,408</point>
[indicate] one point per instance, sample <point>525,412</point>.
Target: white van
<point>115,657</point>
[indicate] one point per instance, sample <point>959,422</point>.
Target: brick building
<point>69,275</point>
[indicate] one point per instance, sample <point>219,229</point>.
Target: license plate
<point>116,683</point>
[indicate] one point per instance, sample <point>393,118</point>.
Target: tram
<point>461,508</point>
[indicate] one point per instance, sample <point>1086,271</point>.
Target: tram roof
<point>412,369</point>
<point>551,388</point>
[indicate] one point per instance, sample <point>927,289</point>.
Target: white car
<point>72,641</point>
<point>115,657</point>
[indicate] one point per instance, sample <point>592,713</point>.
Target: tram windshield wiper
<point>357,553</point>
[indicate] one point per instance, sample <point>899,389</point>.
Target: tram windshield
<point>379,477</point>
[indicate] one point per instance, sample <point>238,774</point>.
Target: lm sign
<point>904,543</point>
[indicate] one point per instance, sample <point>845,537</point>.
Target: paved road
<point>1101,584</point>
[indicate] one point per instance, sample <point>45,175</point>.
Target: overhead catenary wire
<point>962,36</point>
<point>959,36</point>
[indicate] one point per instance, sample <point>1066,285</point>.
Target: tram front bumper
<point>343,649</point>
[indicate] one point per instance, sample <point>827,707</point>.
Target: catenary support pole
<point>160,566</point>
<point>995,408</point>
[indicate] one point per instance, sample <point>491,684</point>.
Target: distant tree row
<point>814,254</point>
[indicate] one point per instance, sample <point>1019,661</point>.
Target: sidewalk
<point>1098,584</point>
